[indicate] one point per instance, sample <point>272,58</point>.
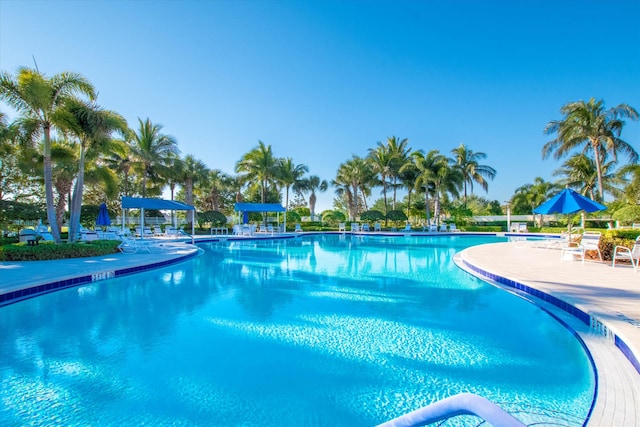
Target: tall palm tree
<point>217,191</point>
<point>427,167</point>
<point>472,171</point>
<point>400,152</point>
<point>258,164</point>
<point>40,102</point>
<point>152,152</point>
<point>119,160</point>
<point>314,184</point>
<point>93,127</point>
<point>352,175</point>
<point>580,173</point>
<point>289,174</point>
<point>382,162</point>
<point>589,125</point>
<point>408,175</point>
<point>193,172</point>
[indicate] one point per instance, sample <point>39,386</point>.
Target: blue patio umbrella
<point>103,216</point>
<point>568,202</point>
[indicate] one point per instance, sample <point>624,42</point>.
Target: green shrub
<point>484,228</point>
<point>49,250</point>
<point>372,215</point>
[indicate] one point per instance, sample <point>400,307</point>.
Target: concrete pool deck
<point>609,297</point>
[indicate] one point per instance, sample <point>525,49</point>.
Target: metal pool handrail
<point>460,404</point>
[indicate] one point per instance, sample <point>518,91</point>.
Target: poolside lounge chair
<point>407,227</point>
<point>157,231</point>
<point>130,246</point>
<point>591,242</point>
<point>355,227</point>
<point>443,228</point>
<point>377,227</point>
<point>342,227</point>
<point>365,227</point>
<point>624,253</point>
<point>452,227</point>
<point>298,229</point>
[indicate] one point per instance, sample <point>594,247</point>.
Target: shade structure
<point>568,202</point>
<point>103,216</point>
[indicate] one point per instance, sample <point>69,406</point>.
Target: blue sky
<point>322,80</point>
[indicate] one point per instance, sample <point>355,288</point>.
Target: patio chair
<point>130,246</point>
<point>453,228</point>
<point>298,229</point>
<point>591,242</point>
<point>355,227</point>
<point>443,228</point>
<point>624,253</point>
<point>157,231</point>
<point>433,227</point>
<point>377,227</point>
<point>365,227</point>
<point>342,227</point>
<point>407,227</point>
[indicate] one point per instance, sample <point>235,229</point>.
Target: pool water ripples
<point>318,330</point>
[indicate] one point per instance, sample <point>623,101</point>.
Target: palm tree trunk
<point>596,158</point>
<point>426,204</point>
<point>76,201</point>
<point>48,186</point>
<point>312,205</point>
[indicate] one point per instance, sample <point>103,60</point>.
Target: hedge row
<point>48,251</point>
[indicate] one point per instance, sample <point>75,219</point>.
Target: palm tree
<point>399,157</point>
<point>40,102</point>
<point>408,175</point>
<point>382,162</point>
<point>427,167</point>
<point>352,175</point>
<point>119,161</point>
<point>588,124</point>
<point>472,171</point>
<point>529,196</point>
<point>314,184</point>
<point>152,151</point>
<point>92,126</point>
<point>289,174</point>
<point>258,164</point>
<point>580,173</point>
<point>217,191</point>
<point>193,172</point>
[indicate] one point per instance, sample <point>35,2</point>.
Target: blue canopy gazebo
<point>143,203</point>
<point>244,208</point>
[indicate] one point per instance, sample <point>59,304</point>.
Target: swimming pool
<point>317,330</point>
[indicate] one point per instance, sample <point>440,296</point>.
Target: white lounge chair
<point>407,227</point>
<point>591,242</point>
<point>355,227</point>
<point>342,227</point>
<point>377,227</point>
<point>157,231</point>
<point>298,229</point>
<point>624,253</point>
<point>443,228</point>
<point>453,228</point>
<point>130,246</point>
<point>365,227</point>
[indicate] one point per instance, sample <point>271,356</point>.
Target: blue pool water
<point>328,330</point>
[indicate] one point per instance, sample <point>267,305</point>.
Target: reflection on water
<point>321,330</point>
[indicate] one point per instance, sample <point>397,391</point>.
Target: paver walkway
<point>610,296</point>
